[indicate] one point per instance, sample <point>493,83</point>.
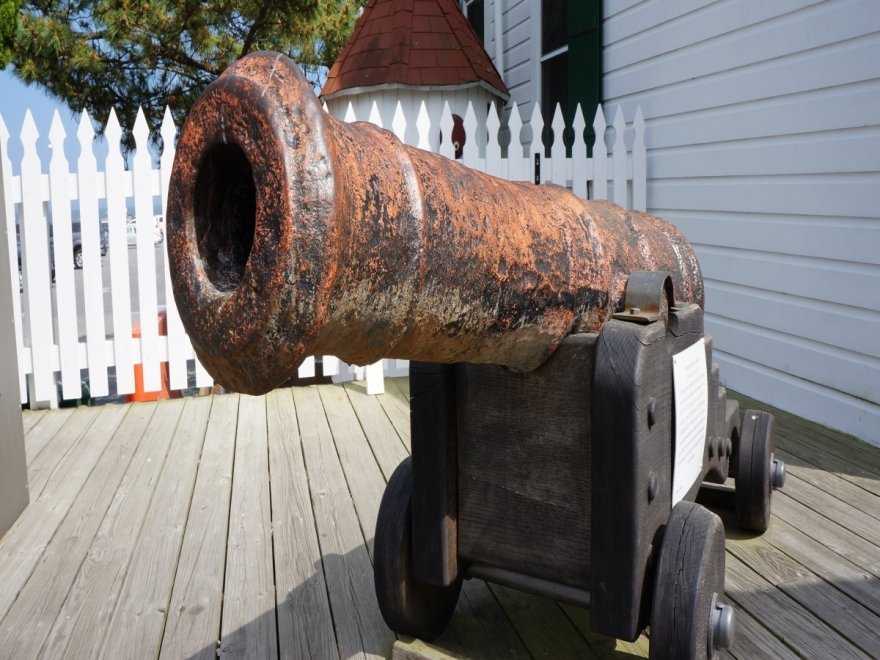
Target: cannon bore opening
<point>225,204</point>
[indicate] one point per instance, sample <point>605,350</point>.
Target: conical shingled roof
<point>422,43</point>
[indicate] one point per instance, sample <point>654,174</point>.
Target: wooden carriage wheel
<point>408,606</point>
<point>688,618</point>
<point>755,467</point>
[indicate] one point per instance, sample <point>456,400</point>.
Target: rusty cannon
<point>294,234</point>
<point>565,411</point>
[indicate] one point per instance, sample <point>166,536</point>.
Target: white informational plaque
<point>691,412</point>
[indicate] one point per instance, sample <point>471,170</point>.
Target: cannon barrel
<point>292,234</point>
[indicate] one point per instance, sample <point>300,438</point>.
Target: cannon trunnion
<point>560,482</point>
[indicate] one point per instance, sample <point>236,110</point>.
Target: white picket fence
<point>486,149</point>
<point>50,342</point>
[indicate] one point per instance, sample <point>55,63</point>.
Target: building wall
<point>13,464</point>
<point>520,53</point>
<point>763,138</point>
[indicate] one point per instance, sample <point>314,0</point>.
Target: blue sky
<point>15,99</point>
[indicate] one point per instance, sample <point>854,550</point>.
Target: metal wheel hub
<point>722,626</point>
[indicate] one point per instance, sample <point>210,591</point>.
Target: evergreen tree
<point>125,54</point>
<point>8,15</point>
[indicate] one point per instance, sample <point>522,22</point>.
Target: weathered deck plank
<point>40,428</point>
<point>801,630</point>
<point>81,625</point>
<point>795,430</point>
<point>32,418</point>
<point>305,625</point>
<point>24,545</point>
<point>27,623</point>
<point>395,401</point>
<point>544,628</point>
<point>66,438</point>
<point>847,515</point>
<point>386,443</point>
<point>839,571</point>
<point>827,532</point>
<point>845,615</point>
<point>362,473</point>
<point>482,628</point>
<point>248,623</point>
<point>801,457</point>
<point>141,611</point>
<point>360,629</point>
<point>753,640</point>
<point>604,647</point>
<point>126,549</point>
<point>192,629</point>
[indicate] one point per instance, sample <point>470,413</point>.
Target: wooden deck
<point>243,526</point>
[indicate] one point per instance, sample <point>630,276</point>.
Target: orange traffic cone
<point>139,393</point>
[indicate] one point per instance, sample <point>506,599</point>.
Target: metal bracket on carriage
<point>649,297</point>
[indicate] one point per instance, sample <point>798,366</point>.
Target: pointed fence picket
<point>51,342</point>
<point>600,158</point>
<point>619,159</point>
<point>558,161</point>
<point>146,255</point>
<point>178,377</point>
<point>59,193</point>
<point>517,160</point>
<point>37,298</point>
<point>640,163</point>
<point>509,148</point>
<point>115,177</point>
<point>87,168</point>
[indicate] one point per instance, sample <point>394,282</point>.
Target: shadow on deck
<point>243,526</point>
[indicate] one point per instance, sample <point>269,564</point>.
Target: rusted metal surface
<point>294,234</point>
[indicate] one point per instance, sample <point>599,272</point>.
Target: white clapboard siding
<point>763,145</point>
<point>513,22</point>
<point>498,144</point>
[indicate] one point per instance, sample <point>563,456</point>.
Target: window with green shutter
<point>571,58</point>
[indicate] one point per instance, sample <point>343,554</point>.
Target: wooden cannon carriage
<point>564,413</point>
<point>561,482</point>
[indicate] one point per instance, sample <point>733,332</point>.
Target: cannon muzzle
<point>292,234</point>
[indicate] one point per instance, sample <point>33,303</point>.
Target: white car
<point>158,230</point>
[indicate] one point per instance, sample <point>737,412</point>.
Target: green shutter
<point>585,58</point>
